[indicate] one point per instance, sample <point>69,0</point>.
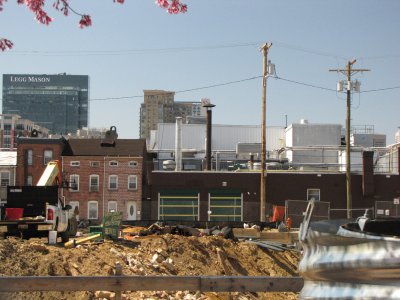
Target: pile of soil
<point>149,255</point>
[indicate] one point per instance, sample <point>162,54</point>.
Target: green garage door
<point>178,205</point>
<point>225,206</point>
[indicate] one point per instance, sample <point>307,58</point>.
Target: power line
<point>129,51</point>
<point>383,89</point>
<point>305,84</point>
<point>239,81</point>
<point>182,91</point>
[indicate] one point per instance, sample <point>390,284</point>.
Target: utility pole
<point>264,48</point>
<point>349,87</point>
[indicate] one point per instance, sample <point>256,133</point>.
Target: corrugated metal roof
<point>224,137</point>
<point>92,147</point>
<point>8,158</point>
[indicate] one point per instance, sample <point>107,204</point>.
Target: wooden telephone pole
<point>264,48</point>
<point>350,85</point>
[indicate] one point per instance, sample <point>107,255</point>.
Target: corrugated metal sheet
<point>224,137</point>
<point>339,263</point>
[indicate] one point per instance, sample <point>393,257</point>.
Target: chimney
<point>178,144</point>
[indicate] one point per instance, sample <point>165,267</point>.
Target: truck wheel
<point>72,226</point>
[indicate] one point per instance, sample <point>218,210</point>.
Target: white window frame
<point>110,208</point>
<point>311,194</point>
<point>8,179</point>
<point>130,177</point>
<point>113,163</point>
<point>47,158</point>
<point>97,210</point>
<point>95,164</point>
<point>116,182</point>
<point>133,164</point>
<point>74,179</point>
<point>94,188</point>
<point>75,163</point>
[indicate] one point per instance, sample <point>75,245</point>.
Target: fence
<point>119,283</point>
<point>295,209</point>
<point>387,209</point>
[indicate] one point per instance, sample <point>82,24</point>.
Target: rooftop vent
<point>110,137</point>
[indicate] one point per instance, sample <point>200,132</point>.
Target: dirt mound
<point>149,255</point>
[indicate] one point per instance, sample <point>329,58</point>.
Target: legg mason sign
<point>29,79</point>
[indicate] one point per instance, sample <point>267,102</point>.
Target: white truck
<point>37,210</point>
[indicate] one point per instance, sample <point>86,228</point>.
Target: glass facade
<point>56,102</point>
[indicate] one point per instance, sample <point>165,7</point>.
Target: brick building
<point>105,176</point>
<point>33,154</point>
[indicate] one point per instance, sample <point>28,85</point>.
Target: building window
<point>132,182</point>
<point>95,164</point>
<point>29,180</point>
<point>5,178</point>
<point>75,163</point>
<point>29,157</point>
<point>74,182</point>
<point>47,156</point>
<point>112,206</point>
<point>133,164</point>
<point>113,182</point>
<point>93,210</point>
<point>94,183</point>
<point>113,163</point>
<point>313,194</point>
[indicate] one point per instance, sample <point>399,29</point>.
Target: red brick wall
<point>121,195</point>
<point>38,166</point>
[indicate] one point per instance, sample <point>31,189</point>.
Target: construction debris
<point>74,242</point>
<point>167,254</point>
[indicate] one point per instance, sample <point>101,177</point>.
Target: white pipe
<point>178,144</point>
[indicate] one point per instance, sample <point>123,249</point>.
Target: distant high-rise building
<point>57,102</point>
<point>159,107</point>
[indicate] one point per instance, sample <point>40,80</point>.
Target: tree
<point>36,6</point>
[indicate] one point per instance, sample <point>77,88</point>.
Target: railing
<point>118,283</point>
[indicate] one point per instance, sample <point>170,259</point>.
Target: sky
<point>212,52</point>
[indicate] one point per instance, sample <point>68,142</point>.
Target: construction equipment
<point>36,210</point>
